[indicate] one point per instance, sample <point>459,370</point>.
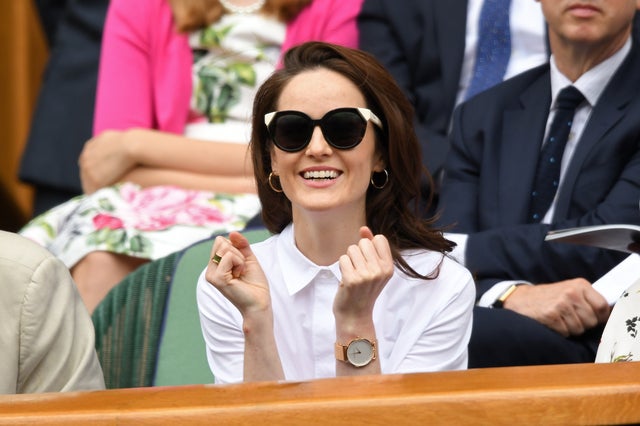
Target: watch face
<point>360,352</point>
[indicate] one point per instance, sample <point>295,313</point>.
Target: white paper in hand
<point>612,284</point>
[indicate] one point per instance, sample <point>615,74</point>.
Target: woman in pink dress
<point>168,165</point>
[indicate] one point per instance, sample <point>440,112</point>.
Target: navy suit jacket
<point>490,169</point>
<point>422,44</point>
<point>63,118</point>
<point>50,13</point>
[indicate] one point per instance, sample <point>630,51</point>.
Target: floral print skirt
<point>147,223</point>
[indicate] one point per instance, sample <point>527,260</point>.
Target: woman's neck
<point>324,236</point>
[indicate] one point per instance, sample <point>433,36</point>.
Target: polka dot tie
<point>548,172</point>
<point>494,46</point>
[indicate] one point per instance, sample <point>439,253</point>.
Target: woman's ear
<point>379,164</point>
<point>274,162</point>
<point>274,158</point>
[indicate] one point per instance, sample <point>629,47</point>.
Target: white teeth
<point>320,174</point>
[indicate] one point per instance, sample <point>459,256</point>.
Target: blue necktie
<point>548,171</point>
<point>494,46</point>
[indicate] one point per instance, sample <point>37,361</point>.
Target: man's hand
<point>569,307</point>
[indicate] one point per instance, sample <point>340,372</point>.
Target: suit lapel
<point>520,148</point>
<point>611,107</point>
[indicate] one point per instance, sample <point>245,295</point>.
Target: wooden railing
<point>561,394</point>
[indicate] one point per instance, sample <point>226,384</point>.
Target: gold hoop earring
<point>386,180</point>
<point>271,175</point>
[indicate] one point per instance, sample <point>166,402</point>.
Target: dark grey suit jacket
<point>422,44</point>
<point>490,170</point>
<point>63,117</point>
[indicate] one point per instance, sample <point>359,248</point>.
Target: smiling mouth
<point>320,175</point>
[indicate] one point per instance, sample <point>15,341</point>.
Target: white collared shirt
<point>420,325</point>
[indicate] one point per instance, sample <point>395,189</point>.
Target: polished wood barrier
<point>560,394</point>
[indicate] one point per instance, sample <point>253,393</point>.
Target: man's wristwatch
<point>358,352</point>
<point>499,303</point>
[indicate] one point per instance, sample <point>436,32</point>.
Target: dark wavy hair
<point>393,211</point>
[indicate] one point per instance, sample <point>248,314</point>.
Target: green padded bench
<point>148,329</point>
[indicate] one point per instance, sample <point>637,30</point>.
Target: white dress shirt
<point>420,325</point>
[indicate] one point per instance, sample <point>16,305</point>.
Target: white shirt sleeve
<point>441,343</point>
<point>491,295</point>
<point>221,324</point>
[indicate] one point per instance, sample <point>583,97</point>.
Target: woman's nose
<point>318,145</point>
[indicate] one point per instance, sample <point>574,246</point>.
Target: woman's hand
<point>366,269</point>
<point>104,160</point>
<point>234,270</point>
<point>238,274</point>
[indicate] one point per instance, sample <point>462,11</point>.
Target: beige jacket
<point>46,334</point>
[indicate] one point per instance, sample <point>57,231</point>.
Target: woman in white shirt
<point>353,280</point>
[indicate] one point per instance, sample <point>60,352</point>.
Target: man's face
<point>589,22</point>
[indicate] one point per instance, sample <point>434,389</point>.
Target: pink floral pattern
<point>160,207</point>
<point>142,222</point>
<point>102,220</point>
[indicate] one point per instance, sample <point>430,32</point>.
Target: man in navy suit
<point>429,46</point>
<point>63,118</point>
<point>536,303</point>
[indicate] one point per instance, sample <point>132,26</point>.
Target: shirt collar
<point>297,270</point>
<point>592,83</point>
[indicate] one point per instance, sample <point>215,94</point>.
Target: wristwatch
<point>358,352</point>
<point>499,303</point>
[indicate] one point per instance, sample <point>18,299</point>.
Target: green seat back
<point>181,355</point>
<point>128,322</point>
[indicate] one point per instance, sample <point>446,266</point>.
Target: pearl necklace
<point>230,7</point>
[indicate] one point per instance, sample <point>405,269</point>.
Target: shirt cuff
<point>491,295</point>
